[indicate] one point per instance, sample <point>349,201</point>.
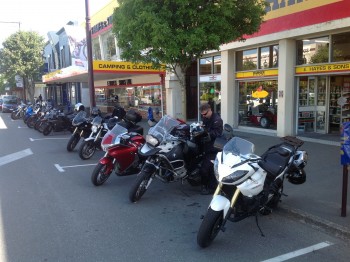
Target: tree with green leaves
<point>178,32</point>
<point>22,55</point>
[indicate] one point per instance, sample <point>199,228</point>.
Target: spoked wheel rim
<point>142,188</point>
<point>87,151</point>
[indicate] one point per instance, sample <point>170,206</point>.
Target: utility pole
<point>89,54</point>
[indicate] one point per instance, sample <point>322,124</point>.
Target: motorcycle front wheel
<point>144,179</point>
<point>100,174</point>
<point>31,122</point>
<point>72,142</point>
<point>210,227</point>
<point>14,116</point>
<point>47,130</point>
<point>87,150</point>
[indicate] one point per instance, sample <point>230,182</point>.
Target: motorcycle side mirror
<point>227,132</point>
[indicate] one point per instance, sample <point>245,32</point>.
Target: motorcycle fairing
<point>146,150</point>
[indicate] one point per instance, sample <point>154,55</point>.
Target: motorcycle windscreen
<point>238,146</point>
<point>163,128</point>
<point>113,136</point>
<point>79,118</point>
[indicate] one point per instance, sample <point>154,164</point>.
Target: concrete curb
<point>328,226</point>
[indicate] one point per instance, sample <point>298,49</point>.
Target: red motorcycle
<point>121,155</point>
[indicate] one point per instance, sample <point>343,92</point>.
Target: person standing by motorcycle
<point>213,124</point>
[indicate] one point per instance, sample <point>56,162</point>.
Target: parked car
<point>1,104</point>
<point>8,105</point>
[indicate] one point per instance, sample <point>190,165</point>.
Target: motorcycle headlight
<point>94,129</point>
<point>152,140</point>
<point>235,176</point>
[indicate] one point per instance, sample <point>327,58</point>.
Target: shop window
<point>96,50</point>
<point>109,46</point>
<point>275,52</point>
<point>262,58</point>
<point>258,104</point>
<point>264,61</point>
<point>313,51</point>
<point>205,66</point>
<point>217,65</point>
<point>250,58</point>
<point>341,47</point>
<point>210,93</point>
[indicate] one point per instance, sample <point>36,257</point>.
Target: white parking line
<point>61,168</point>
<point>2,124</point>
<point>15,156</point>
<point>299,252</point>
<point>45,138</point>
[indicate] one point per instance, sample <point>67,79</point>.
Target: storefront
<point>129,85</point>
<point>323,97</point>
<point>293,75</point>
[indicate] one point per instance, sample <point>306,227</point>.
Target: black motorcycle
<point>100,127</point>
<point>59,122</point>
<point>174,152</point>
<point>82,129</point>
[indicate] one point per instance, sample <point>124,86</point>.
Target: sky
<point>42,16</point>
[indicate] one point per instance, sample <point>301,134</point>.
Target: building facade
<point>291,77</point>
<point>116,82</point>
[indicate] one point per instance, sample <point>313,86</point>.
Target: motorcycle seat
<point>276,158</point>
<point>136,129</point>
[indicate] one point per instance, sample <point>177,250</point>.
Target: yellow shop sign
<point>110,66</point>
<point>257,74</point>
<point>326,68</point>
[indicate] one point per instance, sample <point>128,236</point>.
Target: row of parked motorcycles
<point>173,151</point>
<point>248,184</point>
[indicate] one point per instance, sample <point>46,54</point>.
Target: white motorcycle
<point>250,184</point>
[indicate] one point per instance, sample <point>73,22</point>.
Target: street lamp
<point>89,55</point>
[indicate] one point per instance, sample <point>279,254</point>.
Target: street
<point>50,211</point>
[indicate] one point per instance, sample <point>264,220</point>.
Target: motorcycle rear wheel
<point>209,228</point>
<point>87,150</point>
<point>73,141</point>
<point>99,175</point>
<point>140,187</point>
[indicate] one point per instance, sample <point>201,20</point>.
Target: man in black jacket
<point>214,125</point>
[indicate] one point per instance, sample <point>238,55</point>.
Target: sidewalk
<point>318,201</point>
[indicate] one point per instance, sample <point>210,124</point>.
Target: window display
<point>258,104</point>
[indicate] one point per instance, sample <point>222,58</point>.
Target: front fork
<point>108,161</point>
<point>221,203</point>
